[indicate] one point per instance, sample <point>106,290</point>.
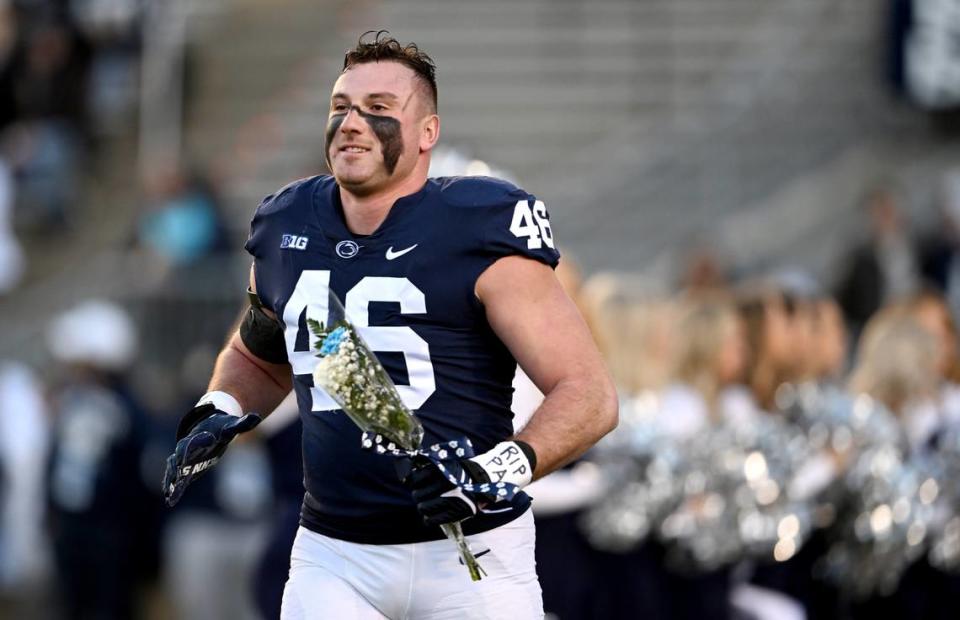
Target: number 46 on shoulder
<point>534,224</point>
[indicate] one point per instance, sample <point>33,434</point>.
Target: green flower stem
<point>454,532</point>
<point>371,400</point>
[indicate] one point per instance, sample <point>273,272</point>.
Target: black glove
<point>202,437</point>
<point>438,500</point>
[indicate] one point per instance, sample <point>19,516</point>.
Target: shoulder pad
<point>478,191</point>
<point>276,208</point>
<point>286,195</point>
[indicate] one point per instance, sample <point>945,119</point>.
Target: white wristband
<point>222,401</point>
<point>506,462</point>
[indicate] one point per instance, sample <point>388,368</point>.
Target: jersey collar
<point>329,211</point>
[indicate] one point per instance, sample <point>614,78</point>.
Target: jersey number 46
<point>532,224</point>
<point>312,294</point>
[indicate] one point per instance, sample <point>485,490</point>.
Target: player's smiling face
<point>373,128</point>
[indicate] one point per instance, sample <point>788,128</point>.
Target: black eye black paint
<point>387,130</point>
<point>333,125</point>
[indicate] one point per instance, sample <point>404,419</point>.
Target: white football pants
<point>340,580</point>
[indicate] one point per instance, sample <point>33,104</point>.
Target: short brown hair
<point>386,48</point>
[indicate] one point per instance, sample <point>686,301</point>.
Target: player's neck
<point>364,214</point>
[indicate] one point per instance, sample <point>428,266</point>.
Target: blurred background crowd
<point>759,208</point>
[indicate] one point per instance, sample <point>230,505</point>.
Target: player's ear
<point>429,132</point>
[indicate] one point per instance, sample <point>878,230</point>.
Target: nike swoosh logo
<point>392,255</point>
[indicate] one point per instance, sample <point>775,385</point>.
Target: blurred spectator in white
<point>905,360</point>
<point>103,511</point>
<point>882,268</point>
<point>929,310</point>
<point>95,333</point>
<point>11,255</point>
<point>24,436</point>
<point>897,366</point>
<point>931,59</point>
<point>634,330</point>
<point>771,350</point>
<point>710,356</point>
<point>818,340</point>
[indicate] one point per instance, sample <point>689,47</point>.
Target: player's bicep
<point>533,316</point>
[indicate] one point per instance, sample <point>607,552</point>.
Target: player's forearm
<point>258,386</point>
<point>574,415</point>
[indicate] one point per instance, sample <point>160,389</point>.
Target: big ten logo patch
<point>293,242</point>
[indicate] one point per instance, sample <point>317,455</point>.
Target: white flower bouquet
<point>352,375</point>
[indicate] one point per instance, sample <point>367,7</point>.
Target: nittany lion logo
<point>347,249</point>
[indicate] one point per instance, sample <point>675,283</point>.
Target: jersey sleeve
<point>255,238</point>
<point>520,226</point>
<point>503,219</point>
<point>266,213</point>
<point>266,230</point>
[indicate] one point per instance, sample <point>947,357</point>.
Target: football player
<point>450,281</point>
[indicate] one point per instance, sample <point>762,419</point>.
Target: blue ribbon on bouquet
<point>445,456</point>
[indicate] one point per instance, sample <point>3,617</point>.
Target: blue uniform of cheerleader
<point>409,288</point>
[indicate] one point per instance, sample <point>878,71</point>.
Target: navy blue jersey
<point>409,289</point>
